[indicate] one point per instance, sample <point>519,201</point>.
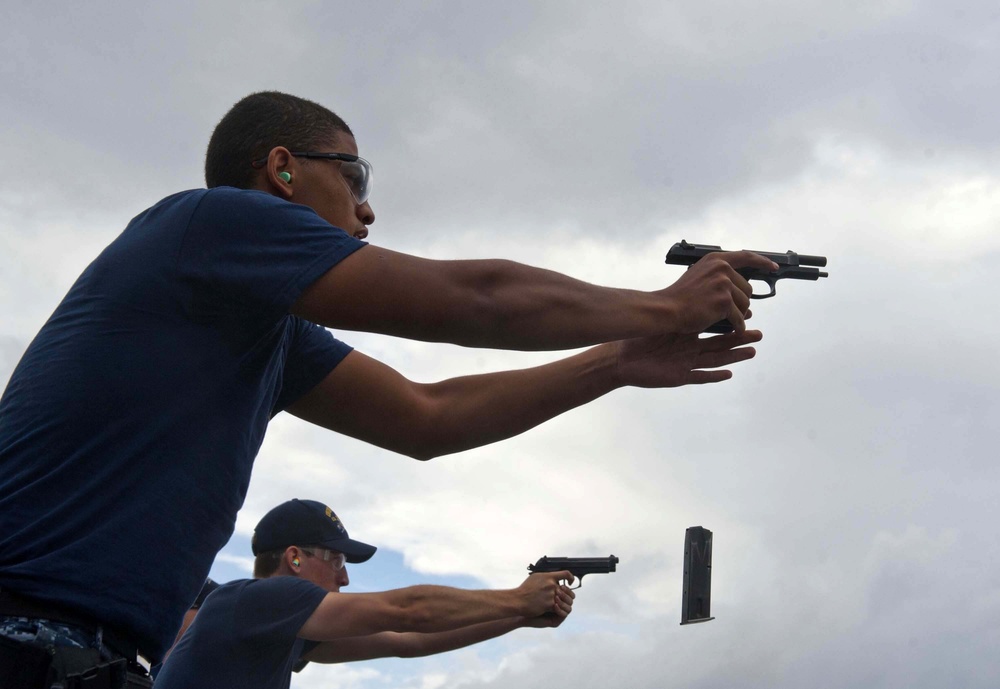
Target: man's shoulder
<point>268,588</point>
<point>275,607</point>
<point>281,583</point>
<point>230,200</point>
<point>224,200</point>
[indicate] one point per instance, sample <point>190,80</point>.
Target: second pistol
<point>577,566</point>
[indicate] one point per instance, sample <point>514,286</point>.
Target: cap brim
<point>355,551</point>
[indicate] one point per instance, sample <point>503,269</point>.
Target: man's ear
<point>279,172</point>
<point>293,558</point>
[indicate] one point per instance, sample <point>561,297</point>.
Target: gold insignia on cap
<point>330,514</point>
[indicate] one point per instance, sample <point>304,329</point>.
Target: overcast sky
<point>848,472</point>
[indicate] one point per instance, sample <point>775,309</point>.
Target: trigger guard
<point>770,283</point>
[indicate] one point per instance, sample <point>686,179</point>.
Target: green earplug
<point>287,176</point>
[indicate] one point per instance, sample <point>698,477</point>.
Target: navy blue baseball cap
<point>307,523</point>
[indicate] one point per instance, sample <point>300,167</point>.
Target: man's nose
<point>366,215</point>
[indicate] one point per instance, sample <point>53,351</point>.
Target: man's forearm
<point>430,420</point>
<point>476,410</point>
<point>410,644</point>
<point>429,609</point>
<point>417,645</point>
<point>423,609</point>
<point>514,306</point>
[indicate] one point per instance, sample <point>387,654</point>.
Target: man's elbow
<point>421,454</point>
<point>412,648</point>
<point>433,452</point>
<point>423,457</point>
<point>415,618</point>
<point>429,437</point>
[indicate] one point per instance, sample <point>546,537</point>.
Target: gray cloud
<point>848,471</point>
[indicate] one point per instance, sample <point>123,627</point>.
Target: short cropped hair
<point>258,123</point>
<point>266,564</point>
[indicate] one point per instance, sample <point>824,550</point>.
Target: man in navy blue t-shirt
<point>252,633</point>
<point>129,428</point>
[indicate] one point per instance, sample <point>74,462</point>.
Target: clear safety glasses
<point>336,560</point>
<point>356,171</point>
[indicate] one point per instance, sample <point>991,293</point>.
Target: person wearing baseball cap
<point>255,632</point>
<point>306,521</point>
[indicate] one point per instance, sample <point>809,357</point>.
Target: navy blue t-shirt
<point>244,637</point>
<point>129,428</point>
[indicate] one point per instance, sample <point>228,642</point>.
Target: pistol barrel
<point>813,261</point>
<point>580,565</point>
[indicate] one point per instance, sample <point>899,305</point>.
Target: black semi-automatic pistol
<point>577,566</point>
<point>790,266</point>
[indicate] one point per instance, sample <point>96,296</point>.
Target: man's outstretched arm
<point>368,400</point>
<point>416,645</point>
<point>434,609</point>
<point>507,305</point>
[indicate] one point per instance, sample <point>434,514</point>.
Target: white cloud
<point>847,472</point>
<point>243,563</point>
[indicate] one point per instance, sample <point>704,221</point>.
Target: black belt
<point>16,605</point>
